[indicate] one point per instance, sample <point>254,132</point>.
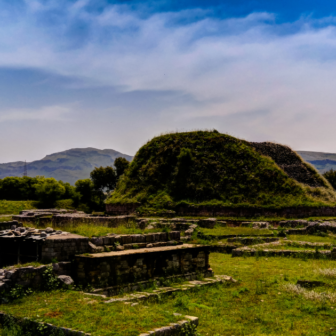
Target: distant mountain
<point>322,161</point>
<point>68,166</point>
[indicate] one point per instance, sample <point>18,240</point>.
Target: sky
<point>114,74</point>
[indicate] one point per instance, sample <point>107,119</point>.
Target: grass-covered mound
<point>209,168</point>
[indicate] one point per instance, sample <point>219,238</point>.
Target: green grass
<point>221,231</point>
<point>5,219</point>
<point>89,314</point>
<point>258,305</point>
<point>14,207</point>
<point>93,230</point>
<point>313,239</point>
<point>290,247</point>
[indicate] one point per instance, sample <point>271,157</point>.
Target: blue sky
<point>114,74</point>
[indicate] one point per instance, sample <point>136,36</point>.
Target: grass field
<point>260,304</point>
<point>313,239</point>
<point>221,231</point>
<point>77,311</point>
<point>263,302</point>
<point>93,230</point>
<point>14,207</point>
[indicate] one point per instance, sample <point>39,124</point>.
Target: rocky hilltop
<point>68,166</point>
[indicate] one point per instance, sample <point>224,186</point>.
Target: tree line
<point>87,194</point>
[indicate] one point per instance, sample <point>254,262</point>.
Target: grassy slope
<point>209,168</point>
<point>14,207</point>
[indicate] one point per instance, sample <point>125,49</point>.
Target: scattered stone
<point>120,248</point>
<point>207,223</point>
<point>66,279</point>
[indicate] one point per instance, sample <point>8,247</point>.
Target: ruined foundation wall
<point>208,211</point>
<point>112,269</point>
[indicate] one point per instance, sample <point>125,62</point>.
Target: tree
<point>18,188</point>
<point>330,175</point>
<point>48,191</point>
<point>86,190</point>
<point>121,165</point>
<point>103,178</point>
<point>70,192</point>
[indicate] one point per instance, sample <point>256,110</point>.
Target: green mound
<point>209,168</point>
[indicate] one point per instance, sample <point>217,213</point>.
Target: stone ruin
<point>109,261</point>
<point>62,217</point>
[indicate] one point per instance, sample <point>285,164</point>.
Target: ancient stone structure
<point>31,277</point>
<point>64,217</point>
<point>8,225</point>
<point>122,209</point>
<point>218,211</point>
<point>115,268</point>
<point>22,245</point>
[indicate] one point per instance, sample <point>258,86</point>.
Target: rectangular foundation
<point>132,266</point>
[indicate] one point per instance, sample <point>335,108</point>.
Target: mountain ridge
<point>320,160</point>
<point>69,165</point>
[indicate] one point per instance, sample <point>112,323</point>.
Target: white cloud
<point>46,113</point>
<point>282,76</point>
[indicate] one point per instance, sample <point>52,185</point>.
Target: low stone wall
<point>115,268</point>
<point>31,277</point>
<point>216,237</point>
<point>283,253</point>
<point>63,248</point>
<point>42,329</point>
<point>121,209</point>
<point>289,212</point>
<point>8,225</point>
<point>216,211</point>
<point>62,220</point>
<point>15,250</point>
<point>252,240</point>
<point>38,328</point>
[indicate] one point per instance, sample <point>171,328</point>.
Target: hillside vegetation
<point>209,168</point>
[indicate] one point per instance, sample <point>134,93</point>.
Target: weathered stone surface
<point>140,264</point>
<point>207,223</point>
<point>65,279</point>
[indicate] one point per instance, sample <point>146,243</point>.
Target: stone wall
<point>62,220</point>
<point>115,268</point>
<point>209,211</point>
<point>121,209</point>
<point>31,277</point>
<point>64,249</point>
<point>8,225</point>
<point>15,250</point>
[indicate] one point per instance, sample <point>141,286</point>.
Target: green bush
<point>65,204</point>
<point>330,175</point>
